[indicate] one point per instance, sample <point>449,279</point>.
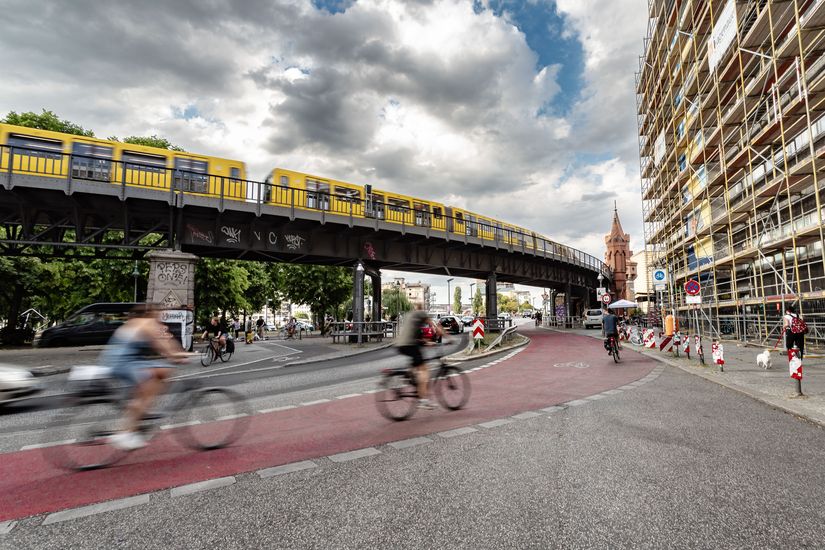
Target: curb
<point>488,353</point>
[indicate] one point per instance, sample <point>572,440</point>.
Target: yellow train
<point>40,152</point>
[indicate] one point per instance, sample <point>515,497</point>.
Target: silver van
<point>593,318</point>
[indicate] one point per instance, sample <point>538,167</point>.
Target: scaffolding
<point>731,117</point>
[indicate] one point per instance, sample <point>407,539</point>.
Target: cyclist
<point>409,342</point>
<point>610,327</point>
<point>216,329</point>
<point>141,353</point>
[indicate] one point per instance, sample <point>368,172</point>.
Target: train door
<point>471,227</point>
<point>422,214</point>
<point>374,203</point>
<point>317,194</point>
<point>91,161</point>
<point>191,175</point>
<point>498,234</point>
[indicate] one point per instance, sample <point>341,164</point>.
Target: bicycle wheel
<point>77,437</point>
<point>225,355</point>
<point>397,396</point>
<point>206,355</point>
<point>452,387</point>
<point>615,352</point>
<point>211,418</point>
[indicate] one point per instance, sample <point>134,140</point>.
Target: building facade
<point>731,137</point>
<point>618,257</point>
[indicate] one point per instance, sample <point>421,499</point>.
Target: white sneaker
<point>127,441</point>
<point>425,404</point>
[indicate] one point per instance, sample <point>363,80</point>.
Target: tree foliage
<point>323,288</point>
<point>478,302</point>
<point>149,141</point>
<point>46,120</point>
<point>457,300</point>
<point>395,302</point>
<point>507,303</point>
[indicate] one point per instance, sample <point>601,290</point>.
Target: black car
<point>93,324</point>
<point>452,324</point>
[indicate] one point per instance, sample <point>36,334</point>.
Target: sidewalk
<point>774,386</point>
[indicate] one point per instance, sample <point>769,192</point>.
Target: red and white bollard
<point>795,368</point>
<point>686,345</point>
<point>718,353</point>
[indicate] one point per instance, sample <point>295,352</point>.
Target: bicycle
<point>199,417</point>
<point>212,351</point>
<point>397,397</point>
<point>613,348</point>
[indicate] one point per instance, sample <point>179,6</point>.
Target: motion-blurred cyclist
<point>410,340</point>
<point>610,327</point>
<point>141,353</point>
<point>216,329</point>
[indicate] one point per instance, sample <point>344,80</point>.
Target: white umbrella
<point>622,304</point>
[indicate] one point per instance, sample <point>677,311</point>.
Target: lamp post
<point>135,274</point>
<point>472,298</point>
<point>600,278</point>
<point>448,294</point>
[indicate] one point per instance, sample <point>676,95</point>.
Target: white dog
<point>764,359</point>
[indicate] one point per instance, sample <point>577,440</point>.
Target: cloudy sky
<point>521,110</point>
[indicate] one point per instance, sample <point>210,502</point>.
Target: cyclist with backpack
<point>795,329</point>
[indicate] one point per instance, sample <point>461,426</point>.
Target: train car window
<point>470,226</point>
<point>191,175</point>
<point>345,194</point>
<point>235,173</point>
<point>459,216</point>
<point>284,181</point>
<point>91,161</point>
<point>36,147</point>
<point>437,212</point>
<point>398,205</point>
<point>143,162</point>
<point>317,194</point>
<point>498,233</point>
<point>375,206</point>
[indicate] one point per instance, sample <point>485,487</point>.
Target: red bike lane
<point>535,378</point>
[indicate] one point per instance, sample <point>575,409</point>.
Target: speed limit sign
<point>605,299</point>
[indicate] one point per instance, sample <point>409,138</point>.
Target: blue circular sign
<point>659,275</point>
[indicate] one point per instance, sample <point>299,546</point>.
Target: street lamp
<point>472,298</point>
<point>448,294</point>
<point>135,274</point>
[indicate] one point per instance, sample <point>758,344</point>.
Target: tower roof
<point>616,230</point>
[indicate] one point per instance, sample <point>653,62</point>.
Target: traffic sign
<point>659,279</point>
<point>478,329</point>
<point>692,287</point>
<point>605,299</point>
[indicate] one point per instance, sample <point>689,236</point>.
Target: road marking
<point>230,416</point>
<point>6,527</point>
<point>373,391</point>
<point>274,409</point>
<point>316,402</point>
<point>496,423</point>
<point>412,442</point>
<point>353,455</point>
<point>457,432</point>
<point>286,469</point>
<point>50,444</point>
<point>347,396</point>
<point>211,370</point>
<point>202,486</point>
<point>84,511</point>
<point>526,415</point>
<point>180,424</point>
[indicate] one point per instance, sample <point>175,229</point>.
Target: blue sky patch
<point>333,6</point>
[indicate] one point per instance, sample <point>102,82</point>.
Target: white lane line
<point>347,396</point>
<point>6,527</point>
<point>353,455</point>
<point>316,402</point>
<point>180,424</point>
<point>212,370</point>
<point>286,469</point>
<point>526,415</point>
<point>373,391</point>
<point>110,506</point>
<point>412,442</point>
<point>496,423</point>
<point>50,444</point>
<point>230,416</point>
<point>202,486</point>
<point>274,409</point>
<point>457,432</point>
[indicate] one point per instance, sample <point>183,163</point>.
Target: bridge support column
<point>171,279</point>
<point>376,296</point>
<point>568,320</point>
<point>358,301</point>
<point>491,295</point>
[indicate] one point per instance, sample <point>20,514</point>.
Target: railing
<point>362,331</point>
<point>71,167</point>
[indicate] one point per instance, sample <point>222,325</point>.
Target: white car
<point>16,382</point>
<point>593,318</point>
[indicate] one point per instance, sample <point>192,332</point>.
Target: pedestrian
<point>248,331</point>
<point>259,324</point>
<point>236,326</point>
<point>795,328</point>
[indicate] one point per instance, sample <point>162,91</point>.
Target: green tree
<point>46,120</point>
<point>457,300</point>
<point>220,286</point>
<point>395,302</point>
<point>323,288</point>
<point>478,302</point>
<point>149,141</point>
<point>506,303</point>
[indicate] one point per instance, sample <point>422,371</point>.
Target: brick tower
<point>617,256</point>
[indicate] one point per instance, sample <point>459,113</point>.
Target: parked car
<point>428,333</point>
<point>93,324</point>
<point>593,318</point>
<point>304,325</point>
<point>16,382</point>
<point>452,324</point>
<point>504,315</point>
<point>468,320</point>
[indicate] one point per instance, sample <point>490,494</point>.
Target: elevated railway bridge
<point>64,205</point>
